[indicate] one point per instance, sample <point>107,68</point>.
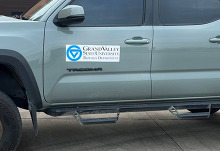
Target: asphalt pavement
<point>142,131</point>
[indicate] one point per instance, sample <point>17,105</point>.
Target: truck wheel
<point>213,110</point>
<point>10,124</point>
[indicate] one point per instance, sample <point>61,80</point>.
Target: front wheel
<point>213,110</point>
<point>10,124</point>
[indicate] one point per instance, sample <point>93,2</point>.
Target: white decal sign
<point>92,53</point>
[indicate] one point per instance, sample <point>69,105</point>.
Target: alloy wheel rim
<point>1,130</point>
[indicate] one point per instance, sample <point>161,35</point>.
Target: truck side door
<point>186,51</point>
<point>124,75</point>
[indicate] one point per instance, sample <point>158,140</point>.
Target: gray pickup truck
<point>108,56</point>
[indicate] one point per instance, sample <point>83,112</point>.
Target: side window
<point>188,12</point>
<point>112,12</point>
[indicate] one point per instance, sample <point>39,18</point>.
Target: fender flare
<point>20,65</point>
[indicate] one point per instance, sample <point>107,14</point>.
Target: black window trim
<point>148,21</point>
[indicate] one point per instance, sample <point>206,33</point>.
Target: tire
<point>213,110</point>
<point>10,124</point>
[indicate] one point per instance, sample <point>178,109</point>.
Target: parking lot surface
<point>142,131</point>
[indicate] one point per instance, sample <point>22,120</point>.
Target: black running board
<point>173,107</point>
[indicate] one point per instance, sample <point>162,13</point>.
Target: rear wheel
<point>10,124</point>
<point>213,110</point>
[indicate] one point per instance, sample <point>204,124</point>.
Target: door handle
<point>215,39</point>
<point>137,40</point>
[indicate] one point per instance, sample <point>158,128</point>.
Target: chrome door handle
<point>137,40</point>
<point>215,39</point>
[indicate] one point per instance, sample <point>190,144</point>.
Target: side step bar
<point>89,121</point>
<point>175,112</point>
<point>77,111</point>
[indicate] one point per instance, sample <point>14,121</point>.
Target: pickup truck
<point>80,57</point>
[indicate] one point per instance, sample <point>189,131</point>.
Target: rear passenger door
<point>186,51</point>
<point>121,29</point>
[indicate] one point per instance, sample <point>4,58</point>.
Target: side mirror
<point>71,14</point>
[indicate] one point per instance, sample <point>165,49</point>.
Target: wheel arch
<point>14,64</point>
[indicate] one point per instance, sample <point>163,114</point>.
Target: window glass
<point>37,11</point>
<point>183,12</point>
<point>111,12</point>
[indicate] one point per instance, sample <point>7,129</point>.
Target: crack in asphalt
<point>165,132</point>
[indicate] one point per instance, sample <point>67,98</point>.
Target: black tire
<point>10,124</point>
<point>213,110</point>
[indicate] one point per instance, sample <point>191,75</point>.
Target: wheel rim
<point>1,130</point>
